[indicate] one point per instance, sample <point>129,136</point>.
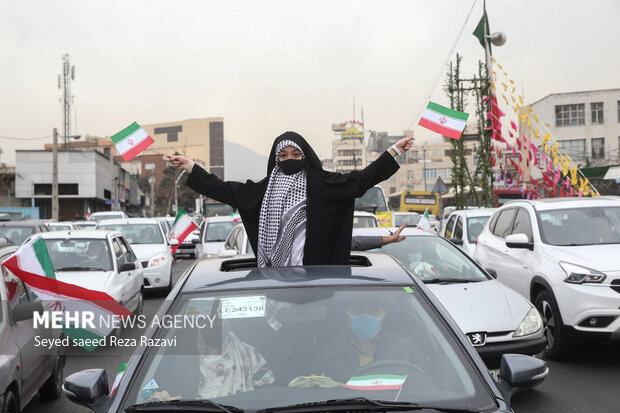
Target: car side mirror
<point>173,242</point>
<point>228,253</point>
<point>25,311</point>
<point>456,241</point>
<point>196,241</point>
<point>127,266</point>
<point>518,372</point>
<point>519,241</point>
<point>491,272</point>
<point>88,388</point>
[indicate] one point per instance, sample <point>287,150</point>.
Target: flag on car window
<point>236,217</point>
<point>443,120</point>
<point>131,141</point>
<point>119,376</point>
<point>31,264</point>
<point>425,222</point>
<point>181,228</point>
<point>376,382</point>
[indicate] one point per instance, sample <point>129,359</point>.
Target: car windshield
<point>286,346</point>
<point>79,254</point>
<point>137,233</point>
<point>104,216</point>
<point>213,210</point>
<point>59,227</point>
<point>433,259</point>
<point>580,226</point>
<point>87,225</point>
<point>218,231</point>
<point>372,201</point>
<point>17,235</point>
<point>410,220</point>
<point>365,222</point>
<point>475,225</point>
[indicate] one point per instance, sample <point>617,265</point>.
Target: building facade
<point>87,179</point>
<point>586,124</point>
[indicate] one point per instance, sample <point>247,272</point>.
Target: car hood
<point>482,306</point>
<point>146,251</point>
<point>93,280</point>
<point>597,257</point>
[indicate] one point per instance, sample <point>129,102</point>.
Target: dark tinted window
<point>503,226</point>
<point>458,229</point>
<point>522,224</point>
<point>449,226</point>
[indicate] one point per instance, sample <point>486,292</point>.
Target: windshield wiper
<point>449,281</point>
<point>80,269</point>
<point>203,405</point>
<point>359,404</point>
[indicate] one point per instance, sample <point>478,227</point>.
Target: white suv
<point>562,254</point>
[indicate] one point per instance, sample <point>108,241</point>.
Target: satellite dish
<point>498,38</point>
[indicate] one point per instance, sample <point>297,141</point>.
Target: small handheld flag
<point>132,141</point>
<point>182,227</point>
<point>445,121</point>
<point>425,222</point>
<point>88,213</point>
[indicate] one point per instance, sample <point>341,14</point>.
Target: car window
<point>128,254</point>
<point>522,224</point>
<point>137,233</point>
<point>458,229</point>
<point>475,225</point>
<point>365,222</point>
<point>276,338</point>
<point>229,245</point>
<point>79,254</point>
<point>218,231</point>
<point>503,226</point>
<point>118,252</point>
<point>238,244</point>
<point>580,226</point>
<point>493,221</point>
<point>449,226</point>
<point>17,234</point>
<point>410,220</point>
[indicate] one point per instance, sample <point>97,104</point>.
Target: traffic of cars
<point>497,286</point>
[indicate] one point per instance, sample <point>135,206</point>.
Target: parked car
<point>282,328</point>
<point>409,218</point>
<point>494,318</point>
<point>99,216</point>
<point>463,227</point>
<point>19,231</point>
<point>214,233</point>
<point>150,245</point>
<point>237,243</point>
<point>561,254</point>
<point>24,369</point>
<point>362,219</point>
<point>98,260</point>
<point>61,226</point>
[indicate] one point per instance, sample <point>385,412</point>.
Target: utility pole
<point>152,182</point>
<point>55,176</point>
<point>64,82</point>
<point>424,165</point>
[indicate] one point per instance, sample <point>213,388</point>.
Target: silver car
<point>25,368</point>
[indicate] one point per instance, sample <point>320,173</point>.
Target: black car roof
<point>374,269</point>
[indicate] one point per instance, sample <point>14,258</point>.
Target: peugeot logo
<point>477,339</point>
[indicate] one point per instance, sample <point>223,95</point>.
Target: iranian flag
<point>425,223</point>
<point>376,382</point>
<point>119,376</point>
<point>182,227</point>
<point>131,141</point>
<point>236,217</point>
<point>445,121</point>
<point>32,264</point>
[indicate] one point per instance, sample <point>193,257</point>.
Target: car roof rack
<point>237,264</point>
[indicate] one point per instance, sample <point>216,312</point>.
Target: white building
<point>586,124</point>
<point>86,179</point>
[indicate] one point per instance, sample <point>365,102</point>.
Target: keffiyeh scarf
<point>282,222</point>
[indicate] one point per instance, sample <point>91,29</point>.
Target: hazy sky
<point>270,66</point>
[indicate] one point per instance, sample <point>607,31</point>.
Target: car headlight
<point>157,260</point>
<point>530,324</point>
<point>576,274</point>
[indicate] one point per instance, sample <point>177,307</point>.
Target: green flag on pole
<point>479,31</point>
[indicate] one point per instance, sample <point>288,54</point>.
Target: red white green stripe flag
<point>131,141</point>
<point>119,376</point>
<point>31,264</point>
<point>425,222</point>
<point>376,382</point>
<point>445,121</point>
<point>182,227</point>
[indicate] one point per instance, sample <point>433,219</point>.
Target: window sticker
<point>243,307</point>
